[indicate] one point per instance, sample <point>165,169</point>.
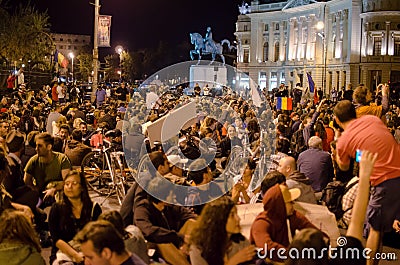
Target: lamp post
<point>71,55</point>
<point>29,71</point>
<point>320,26</point>
<point>119,49</point>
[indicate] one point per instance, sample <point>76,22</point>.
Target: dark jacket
<point>317,165</point>
<point>76,151</point>
<point>227,144</point>
<point>162,227</point>
<point>270,226</point>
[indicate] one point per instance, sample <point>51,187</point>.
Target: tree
<point>85,66</point>
<point>112,64</point>
<point>24,36</point>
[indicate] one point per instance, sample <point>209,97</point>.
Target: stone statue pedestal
<point>208,74</point>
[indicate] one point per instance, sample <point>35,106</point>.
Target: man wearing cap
<point>14,182</point>
<point>276,225</point>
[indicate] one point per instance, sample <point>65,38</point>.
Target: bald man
<point>296,179</point>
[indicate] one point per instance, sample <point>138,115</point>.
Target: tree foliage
<point>24,36</point>
<point>85,66</point>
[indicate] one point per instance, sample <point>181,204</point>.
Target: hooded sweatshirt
<point>300,181</point>
<point>19,254</point>
<point>269,229</point>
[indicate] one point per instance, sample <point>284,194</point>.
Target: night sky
<point>142,24</point>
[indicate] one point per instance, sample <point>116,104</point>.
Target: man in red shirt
<point>10,82</point>
<point>54,94</point>
<point>370,133</point>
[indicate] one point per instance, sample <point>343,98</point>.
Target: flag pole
<point>95,47</point>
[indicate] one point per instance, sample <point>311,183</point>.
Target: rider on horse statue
<point>208,40</point>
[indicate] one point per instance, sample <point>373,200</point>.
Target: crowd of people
<point>182,208</point>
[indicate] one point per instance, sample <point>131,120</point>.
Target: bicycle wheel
<point>118,175</point>
<point>97,173</point>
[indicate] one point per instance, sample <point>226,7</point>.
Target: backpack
<point>332,197</point>
<point>298,144</point>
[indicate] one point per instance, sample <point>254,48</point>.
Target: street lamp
<point>320,26</point>
<point>71,55</point>
<point>119,49</point>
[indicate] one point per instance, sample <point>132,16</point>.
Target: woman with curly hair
<point>19,243</point>
<point>70,215</point>
<point>217,239</point>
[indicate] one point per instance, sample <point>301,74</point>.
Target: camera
<point>358,155</point>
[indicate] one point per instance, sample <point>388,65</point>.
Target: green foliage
<point>85,66</point>
<point>24,35</point>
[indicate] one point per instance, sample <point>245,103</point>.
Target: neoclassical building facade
<point>337,42</point>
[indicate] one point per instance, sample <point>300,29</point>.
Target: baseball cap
<point>176,159</point>
<point>289,195</point>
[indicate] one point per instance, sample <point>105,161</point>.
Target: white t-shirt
<point>60,92</point>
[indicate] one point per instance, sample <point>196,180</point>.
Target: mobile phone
<point>358,155</point>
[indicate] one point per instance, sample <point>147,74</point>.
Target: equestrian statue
<point>207,46</point>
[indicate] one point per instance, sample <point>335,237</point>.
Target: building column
<point>282,47</point>
<point>345,41</point>
<point>260,40</point>
<point>299,39</point>
<point>337,38</point>
<point>254,42</point>
<point>389,39</point>
<point>271,42</point>
<point>364,35</point>
<point>291,42</point>
<point>328,35</point>
<point>309,46</point>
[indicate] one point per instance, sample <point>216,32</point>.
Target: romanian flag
<point>61,59</point>
<point>284,103</point>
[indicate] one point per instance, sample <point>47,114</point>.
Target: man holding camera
<point>370,133</point>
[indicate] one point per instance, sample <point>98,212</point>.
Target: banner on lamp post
<point>104,31</point>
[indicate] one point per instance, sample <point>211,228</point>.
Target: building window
<point>277,26</point>
<point>283,79</point>
<point>69,47</point>
<point>245,28</point>
<point>246,53</point>
<point>69,40</point>
<point>273,82</point>
<point>276,52</point>
<point>61,39</point>
<point>75,48</point>
<point>76,40</point>
<point>262,81</point>
<point>83,41</point>
<point>266,28</point>
<point>396,46</point>
<point>61,46</point>
<point>377,46</point>
<point>265,52</point>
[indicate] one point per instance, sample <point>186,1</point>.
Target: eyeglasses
<point>73,183</point>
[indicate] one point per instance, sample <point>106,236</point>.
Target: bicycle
<point>106,172</point>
